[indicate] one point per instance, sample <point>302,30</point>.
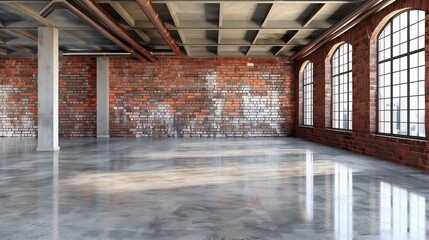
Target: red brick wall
<point>174,97</point>
<point>18,97</point>
<point>77,97</point>
<point>201,97</point>
<point>363,138</point>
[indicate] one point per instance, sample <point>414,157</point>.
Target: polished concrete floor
<point>253,188</point>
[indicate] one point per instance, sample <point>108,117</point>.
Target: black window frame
<point>390,60</point>
<point>347,73</point>
<point>305,94</point>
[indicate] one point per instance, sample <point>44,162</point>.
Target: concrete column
<point>102,97</point>
<point>48,89</point>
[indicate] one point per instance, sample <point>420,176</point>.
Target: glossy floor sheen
<point>257,188</point>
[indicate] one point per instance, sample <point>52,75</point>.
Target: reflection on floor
<point>256,188</point>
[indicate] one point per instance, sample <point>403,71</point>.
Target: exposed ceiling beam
<point>142,35</point>
<point>81,39</point>
<point>130,20</point>
<point>30,12</point>
<point>20,42</point>
<point>365,10</point>
<point>285,27</point>
<point>123,13</point>
<point>26,34</point>
<point>196,37</point>
<point>261,45</point>
<point>104,18</point>
<point>221,6</point>
<point>262,26</point>
<point>176,21</point>
<point>49,8</point>
<point>244,1</point>
<point>24,50</point>
<point>77,11</point>
<point>313,14</point>
<point>220,23</point>
<point>19,26</point>
<point>152,14</point>
<point>26,42</point>
<point>3,52</point>
<point>288,38</point>
<point>84,28</point>
<point>24,1</point>
<point>75,36</point>
<point>201,1</point>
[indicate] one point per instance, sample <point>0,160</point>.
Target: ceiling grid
<point>200,27</point>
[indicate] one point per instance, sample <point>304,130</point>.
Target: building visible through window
<point>401,75</point>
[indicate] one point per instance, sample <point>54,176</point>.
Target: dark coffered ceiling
<point>199,27</point>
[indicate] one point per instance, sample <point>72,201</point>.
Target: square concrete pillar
<point>102,97</point>
<point>48,89</point>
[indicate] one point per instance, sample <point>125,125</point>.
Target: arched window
<point>401,76</point>
<point>308,94</point>
<point>342,94</point>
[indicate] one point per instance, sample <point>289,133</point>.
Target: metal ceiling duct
<point>93,23</point>
<point>149,10</point>
<point>109,22</point>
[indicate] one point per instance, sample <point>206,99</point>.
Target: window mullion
<point>339,93</point>
<point>391,79</point>
<point>303,96</point>
<point>346,75</point>
<point>408,75</point>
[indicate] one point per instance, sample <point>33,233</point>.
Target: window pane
<point>388,127</point>
<point>422,73</point>
<point>387,116</point>
<point>414,45</point>
<point>414,116</point>
<point>422,130</point>
<point>421,87</point>
<point>414,102</point>
<point>381,126</point>
<point>414,88</point>
<point>414,17</point>
<point>387,92</point>
<point>414,31</point>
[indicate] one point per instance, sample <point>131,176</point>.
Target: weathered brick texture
<point>18,97</point>
<point>201,97</point>
<point>363,138</point>
<point>77,97</point>
<point>174,97</point>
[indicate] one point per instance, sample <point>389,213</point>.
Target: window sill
<point>405,138</point>
<point>306,126</point>
<point>340,130</point>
